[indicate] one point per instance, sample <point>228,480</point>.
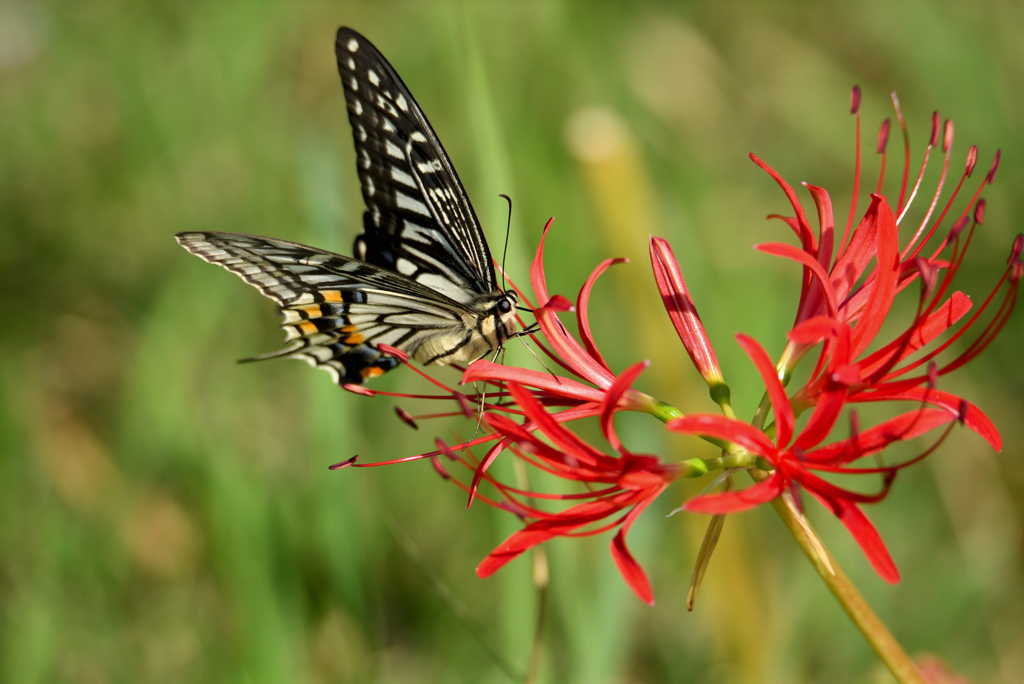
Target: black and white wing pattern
<point>418,221</point>
<point>337,309</point>
<point>423,281</point>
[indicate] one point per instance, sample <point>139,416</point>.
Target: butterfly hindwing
<point>419,221</point>
<point>336,309</point>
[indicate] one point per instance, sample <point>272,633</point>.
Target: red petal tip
<point>855,100</point>
<point>995,167</point>
<point>947,136</point>
<point>883,136</point>
<point>406,417</point>
<point>344,464</point>
<point>936,127</point>
<point>559,303</point>
<point>972,159</point>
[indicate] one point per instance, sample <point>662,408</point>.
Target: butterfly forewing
<point>336,309</point>
<point>423,281</point>
<point>419,221</point>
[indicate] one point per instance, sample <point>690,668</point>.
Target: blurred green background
<point>168,515</point>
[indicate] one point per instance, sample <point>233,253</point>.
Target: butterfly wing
<point>419,221</point>
<point>337,309</point>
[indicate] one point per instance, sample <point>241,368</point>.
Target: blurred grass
<point>168,515</point>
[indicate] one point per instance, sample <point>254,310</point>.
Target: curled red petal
<point>728,429</point>
<point>611,401</point>
<point>543,530</point>
<point>886,276</point>
<point>865,534</point>
<point>903,427</point>
<point>537,278</point>
<point>809,261</point>
<point>582,302</point>
<point>740,500</point>
<point>807,240</point>
<point>558,303</point>
<point>971,416</point>
<point>770,377</point>
<point>630,570</point>
<point>559,386</point>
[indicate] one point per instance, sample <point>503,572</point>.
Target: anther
<point>343,464</point>
<point>935,129</point>
<point>995,167</point>
<point>855,100</point>
<point>406,417</point>
<point>958,227</point>
<point>972,159</point>
<point>979,211</point>
<point>1018,245</point>
<point>883,136</point>
<point>947,136</point>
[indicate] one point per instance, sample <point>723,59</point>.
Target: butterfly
<point>422,280</point>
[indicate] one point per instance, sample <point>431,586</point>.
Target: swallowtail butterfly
<point>423,280</point>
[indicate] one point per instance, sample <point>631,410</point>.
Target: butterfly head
<point>505,308</point>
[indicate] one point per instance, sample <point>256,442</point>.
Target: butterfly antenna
<point>508,231</point>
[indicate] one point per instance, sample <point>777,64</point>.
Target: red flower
<point>843,304</point>
<point>845,290</point>
<point>619,486</point>
<point>795,458</point>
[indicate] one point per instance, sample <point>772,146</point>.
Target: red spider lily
<point>844,288</point>
<point>796,457</point>
<point>619,487</point>
<point>843,305</point>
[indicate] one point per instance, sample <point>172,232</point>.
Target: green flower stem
<point>877,634</point>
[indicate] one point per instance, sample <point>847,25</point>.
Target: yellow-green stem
<point>874,630</point>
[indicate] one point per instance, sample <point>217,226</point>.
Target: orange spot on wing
<point>349,329</point>
<point>354,338</point>
<point>371,372</point>
<point>307,328</point>
<point>331,295</point>
<point>313,311</point>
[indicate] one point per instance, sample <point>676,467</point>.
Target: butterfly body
<point>423,281</point>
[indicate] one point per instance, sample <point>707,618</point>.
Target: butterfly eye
<point>504,306</point>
